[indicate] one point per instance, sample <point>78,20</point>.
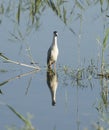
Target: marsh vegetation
<point>82,76</point>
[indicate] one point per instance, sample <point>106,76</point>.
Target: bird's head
<point>55,33</point>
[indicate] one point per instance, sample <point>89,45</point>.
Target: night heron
<point>53,51</point>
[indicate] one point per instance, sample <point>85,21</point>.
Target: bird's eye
<point>55,33</point>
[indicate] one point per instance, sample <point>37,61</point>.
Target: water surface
<point>80,103</point>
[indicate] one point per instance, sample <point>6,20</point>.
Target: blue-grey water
<point>76,107</point>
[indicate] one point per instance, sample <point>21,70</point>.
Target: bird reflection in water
<point>52,82</point>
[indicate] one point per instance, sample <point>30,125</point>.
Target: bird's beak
<point>56,34</point>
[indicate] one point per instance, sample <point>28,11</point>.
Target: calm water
<point>76,106</point>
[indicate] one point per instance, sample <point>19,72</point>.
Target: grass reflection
<point>102,104</point>
<point>82,77</point>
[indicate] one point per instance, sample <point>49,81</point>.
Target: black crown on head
<point>55,33</point>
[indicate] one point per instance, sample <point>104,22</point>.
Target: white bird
<point>53,51</point>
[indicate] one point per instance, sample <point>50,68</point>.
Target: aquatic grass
<point>4,82</point>
<point>97,126</point>
<point>102,110</point>
<point>15,37</point>
<point>79,5</point>
<point>32,8</point>
<point>28,86</point>
<point>3,70</point>
<point>1,9</point>
<point>56,7</point>
<point>61,11</point>
<point>81,77</point>
<point>64,15</point>
<point>35,9</point>
<point>18,12</point>
<point>103,104</point>
<point>103,46</point>
<point>104,5</point>
<point>28,125</point>
<point>26,120</point>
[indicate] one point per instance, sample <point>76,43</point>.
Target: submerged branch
<point>18,63</point>
<point>22,64</point>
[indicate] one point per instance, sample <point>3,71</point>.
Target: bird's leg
<point>55,66</point>
<point>49,65</point>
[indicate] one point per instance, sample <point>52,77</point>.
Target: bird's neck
<point>54,41</point>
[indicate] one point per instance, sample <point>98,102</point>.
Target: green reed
<point>35,8</point>
<point>26,121</point>
<point>104,46</point>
